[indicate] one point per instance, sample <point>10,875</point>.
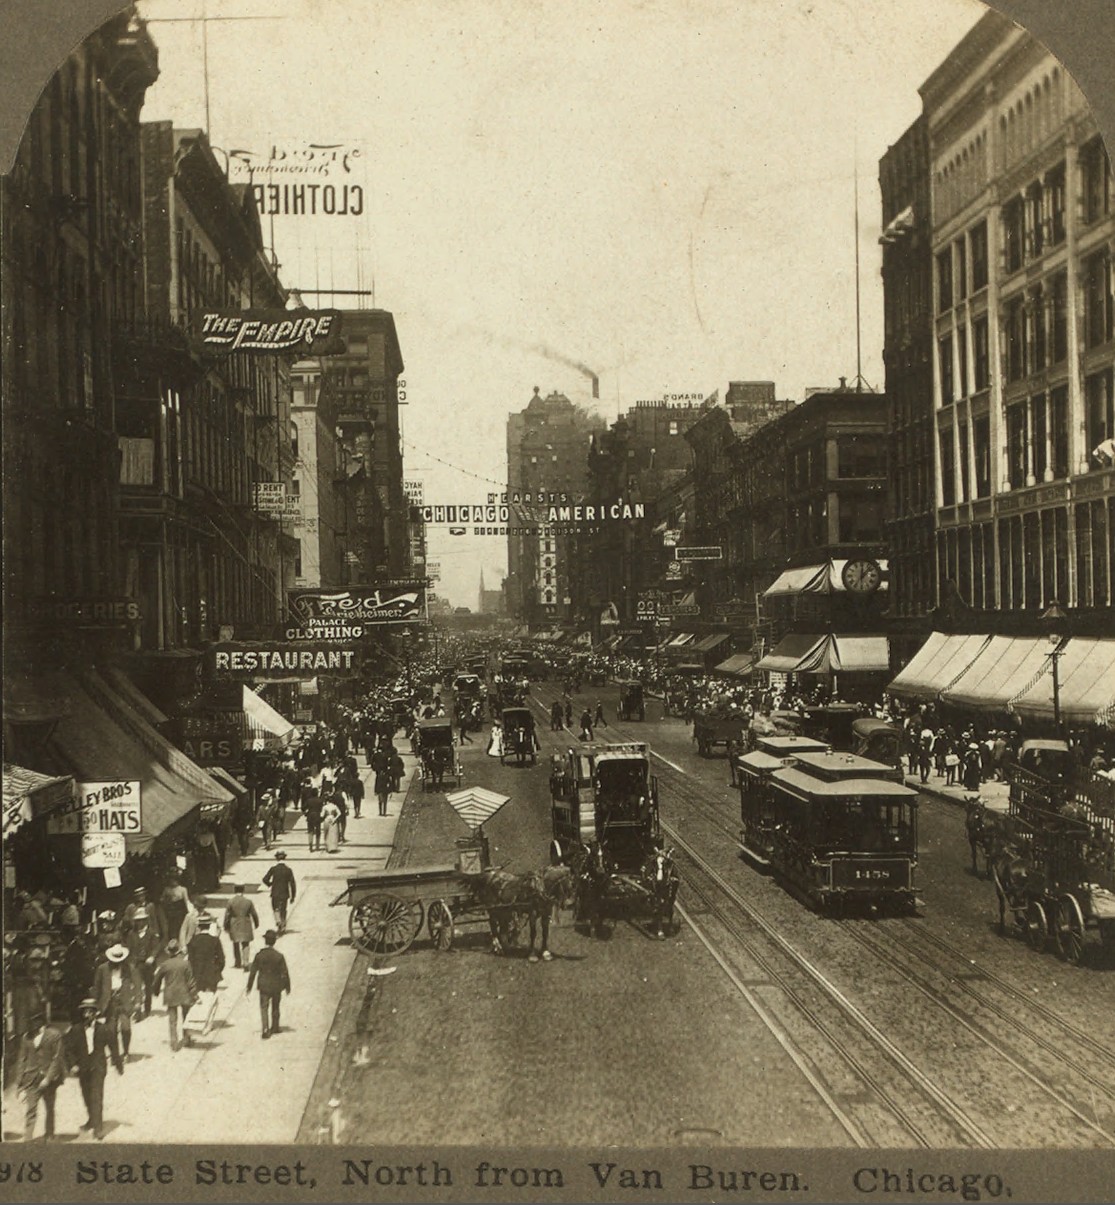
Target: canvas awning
<point>265,727</point>
<point>1085,680</point>
<point>682,638</point>
<point>1006,666</point>
<point>707,643</point>
<point>104,739</point>
<point>937,665</point>
<point>832,653</point>
<point>826,578</point>
<point>739,666</point>
<point>28,794</point>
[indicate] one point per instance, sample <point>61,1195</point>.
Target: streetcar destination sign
<point>712,552</point>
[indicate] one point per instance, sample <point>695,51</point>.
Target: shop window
<point>1048,557</point>
<point>1031,557</point>
<point>1099,306</point>
<point>1035,226</point>
<point>1059,288</point>
<point>981,440</point>
<point>1059,429</point>
<point>861,519</point>
<point>1099,419</point>
<point>962,432</point>
<point>977,244</point>
<point>1055,192</point>
<point>1036,305</point>
<point>981,362</point>
<point>1016,338</point>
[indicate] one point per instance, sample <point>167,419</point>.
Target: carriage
<point>632,705</point>
<point>436,748</point>
<point>400,713</point>
<point>520,741</point>
<point>1055,873</point>
<point>604,810</point>
<point>839,829</point>
<point>389,908</point>
<point>711,730</point>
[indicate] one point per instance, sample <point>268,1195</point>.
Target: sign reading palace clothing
<point>273,659</point>
<point>308,332</point>
<point>392,602</point>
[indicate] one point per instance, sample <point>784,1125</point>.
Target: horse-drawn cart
<point>711,730</point>
<point>520,741</point>
<point>436,747</point>
<point>390,908</point>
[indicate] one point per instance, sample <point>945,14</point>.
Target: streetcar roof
<point>758,760</point>
<point>791,744</point>
<point>818,788</point>
<point>844,765</point>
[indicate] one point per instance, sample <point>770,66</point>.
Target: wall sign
<point>309,332</point>
<point>101,807</point>
<point>99,851</point>
<point>391,603</point>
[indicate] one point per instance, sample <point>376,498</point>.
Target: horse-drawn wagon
<point>519,738</point>
<point>389,908</point>
<point>1055,872</point>
<point>712,730</point>
<point>632,705</point>
<point>436,748</point>
<point>606,828</point>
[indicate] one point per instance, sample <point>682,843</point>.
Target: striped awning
<point>937,665</point>
<point>475,805</point>
<point>1085,681</point>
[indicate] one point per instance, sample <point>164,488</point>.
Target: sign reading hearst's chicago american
<point>308,332</point>
<point>395,602</point>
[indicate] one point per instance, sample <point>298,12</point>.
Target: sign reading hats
<point>102,850</point>
<point>101,807</point>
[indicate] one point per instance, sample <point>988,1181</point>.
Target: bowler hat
<point>280,854</point>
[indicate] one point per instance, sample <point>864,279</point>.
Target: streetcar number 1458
<point>873,874</point>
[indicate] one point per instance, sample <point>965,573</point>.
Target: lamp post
<point>405,634</point>
<point>1055,622</point>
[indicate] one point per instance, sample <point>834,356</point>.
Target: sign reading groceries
<point>100,807</point>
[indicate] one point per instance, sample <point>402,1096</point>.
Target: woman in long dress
<point>330,831</point>
<point>495,741</point>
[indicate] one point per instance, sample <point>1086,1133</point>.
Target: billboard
<point>390,603</point>
<point>101,807</point>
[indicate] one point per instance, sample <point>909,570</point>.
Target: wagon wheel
<point>1004,903</point>
<point>385,924</point>
<point>1068,932</point>
<point>439,921</point>
<point>1037,926</point>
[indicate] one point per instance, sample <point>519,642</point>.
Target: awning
<point>738,666</point>
<point>265,727</point>
<point>105,739</point>
<point>1005,668</point>
<point>28,794</point>
<point>832,653</point>
<point>1085,680</point>
<point>826,578</point>
<point>227,780</point>
<point>708,643</point>
<point>937,665</point>
<point>682,638</point>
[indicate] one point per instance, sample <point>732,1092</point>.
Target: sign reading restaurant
<point>268,659</point>
<point>392,602</point>
<point>307,332</point>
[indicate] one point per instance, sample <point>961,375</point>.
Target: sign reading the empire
<point>309,332</point>
<point>398,602</point>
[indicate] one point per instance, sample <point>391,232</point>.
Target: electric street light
<point>1055,622</point>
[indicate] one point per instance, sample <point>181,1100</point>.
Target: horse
<point>987,831</point>
<point>536,893</point>
<point>661,877</point>
<point>591,875</point>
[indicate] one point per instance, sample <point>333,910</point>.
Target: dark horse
<point>987,831</point>
<point>508,897</point>
<point>661,878</point>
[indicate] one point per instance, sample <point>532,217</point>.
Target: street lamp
<point>1055,622</point>
<point>405,634</point>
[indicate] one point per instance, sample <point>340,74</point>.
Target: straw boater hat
<point>88,1005</point>
<point>280,854</point>
<point>116,953</point>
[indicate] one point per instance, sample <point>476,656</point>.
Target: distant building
<point>490,601</point>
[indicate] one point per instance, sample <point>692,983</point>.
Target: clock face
<point>862,577</point>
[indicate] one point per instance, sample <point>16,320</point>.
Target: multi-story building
<point>1023,239</point>
<point>908,348</point>
<point>322,524</point>
<point>547,456</point>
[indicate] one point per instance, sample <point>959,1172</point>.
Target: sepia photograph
<point>558,600</point>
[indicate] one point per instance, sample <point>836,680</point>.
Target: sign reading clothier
<point>392,602</point>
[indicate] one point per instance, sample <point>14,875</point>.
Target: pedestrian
<point>175,980</point>
<point>274,979</point>
<point>266,818</point>
<point>280,879</point>
<point>555,717</point>
<point>241,923</point>
<point>42,1071</point>
<point>143,944</point>
<point>79,963</point>
<point>382,786</point>
<point>569,713</point>
<point>206,956</point>
<point>952,763</point>
<point>463,721</point>
<point>356,791</point>
<point>86,1046</point>
<point>342,806</point>
<point>243,820</point>
<point>599,717</point>
<point>118,990</point>
<point>311,809</point>
<point>586,725</point>
<point>925,761</point>
<point>330,819</point>
<point>398,768</point>
<point>973,767</point>
<point>174,905</point>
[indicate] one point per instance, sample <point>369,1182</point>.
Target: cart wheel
<point>439,921</point>
<point>1069,930</point>
<point>1037,926</point>
<point>385,924</point>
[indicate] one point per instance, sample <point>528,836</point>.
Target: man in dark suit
<point>42,1069</point>
<point>274,979</point>
<point>280,878</point>
<point>86,1046</point>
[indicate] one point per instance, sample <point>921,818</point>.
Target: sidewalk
<point>232,1086</point>
<point>996,795</point>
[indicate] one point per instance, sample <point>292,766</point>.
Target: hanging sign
<point>100,807</point>
<point>308,332</point>
<point>705,553</point>
<point>393,602</point>
<point>99,851</point>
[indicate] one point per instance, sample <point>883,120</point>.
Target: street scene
<point>711,745</point>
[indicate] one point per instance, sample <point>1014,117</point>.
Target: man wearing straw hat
<point>116,990</point>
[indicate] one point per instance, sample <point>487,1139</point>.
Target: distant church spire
<point>480,608</point>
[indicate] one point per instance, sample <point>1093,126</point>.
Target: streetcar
<point>837,828</point>
<point>751,773</point>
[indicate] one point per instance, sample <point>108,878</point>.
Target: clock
<point>862,577</point>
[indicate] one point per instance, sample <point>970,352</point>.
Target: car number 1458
<point>873,875</point>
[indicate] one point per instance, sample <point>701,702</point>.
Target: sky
<point>662,191</point>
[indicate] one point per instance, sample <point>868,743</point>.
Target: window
<point>1014,231</point>
<point>981,440</point>
<point>962,361</point>
<point>1038,410</point>
<point>1016,338</point>
<point>1099,417</point>
<point>948,469</point>
<point>944,280</point>
<point>1035,226</point>
<point>981,364</point>
<point>673,426</point>
<point>861,518</point>
<point>1059,304</point>
<point>1059,427</point>
<point>1055,192</point>
<point>861,456</point>
<point>1095,170</point>
<point>1099,306</point>
<point>961,269</point>
<point>977,243</point>
<point>1031,559</point>
<point>295,487</point>
<point>944,358</point>
<point>1036,306</point>
<point>1017,444</point>
<point>965,491</point>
